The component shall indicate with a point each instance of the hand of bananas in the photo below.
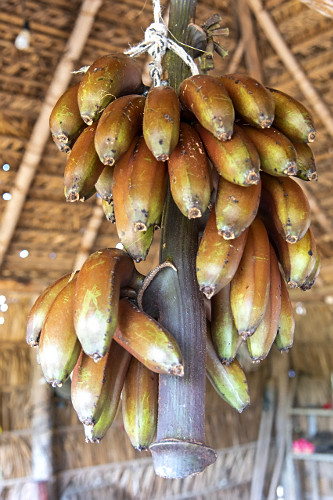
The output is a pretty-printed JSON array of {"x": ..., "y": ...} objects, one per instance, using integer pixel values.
[{"x": 229, "y": 147}]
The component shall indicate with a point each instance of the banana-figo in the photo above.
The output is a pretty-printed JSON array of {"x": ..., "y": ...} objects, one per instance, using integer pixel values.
[
  {"x": 139, "y": 403},
  {"x": 40, "y": 308},
  {"x": 206, "y": 97},
  {"x": 286, "y": 327},
  {"x": 97, "y": 297},
  {"x": 161, "y": 121},
  {"x": 223, "y": 330},
  {"x": 292, "y": 118},
  {"x": 120, "y": 122},
  {"x": 217, "y": 258},
  {"x": 108, "y": 209},
  {"x": 306, "y": 166},
  {"x": 109, "y": 77},
  {"x": 249, "y": 289},
  {"x": 277, "y": 153},
  {"x": 83, "y": 167},
  {"x": 229, "y": 381},
  {"x": 147, "y": 340},
  {"x": 65, "y": 121},
  {"x": 287, "y": 205},
  {"x": 260, "y": 343},
  {"x": 59, "y": 347},
  {"x": 236, "y": 160},
  {"x": 104, "y": 184},
  {"x": 118, "y": 363},
  {"x": 251, "y": 100},
  {"x": 236, "y": 207},
  {"x": 189, "y": 173}
]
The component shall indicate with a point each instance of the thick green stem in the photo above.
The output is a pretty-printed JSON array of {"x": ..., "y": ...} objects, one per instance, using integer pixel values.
[{"x": 180, "y": 449}]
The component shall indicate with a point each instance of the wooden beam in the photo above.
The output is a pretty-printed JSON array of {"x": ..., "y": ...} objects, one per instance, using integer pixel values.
[
  {"x": 274, "y": 36},
  {"x": 40, "y": 133},
  {"x": 252, "y": 60}
]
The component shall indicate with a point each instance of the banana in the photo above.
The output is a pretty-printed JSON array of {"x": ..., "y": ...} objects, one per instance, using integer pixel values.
[
  {"x": 217, "y": 259},
  {"x": 145, "y": 188},
  {"x": 250, "y": 98},
  {"x": 104, "y": 184},
  {"x": 120, "y": 122},
  {"x": 65, "y": 120},
  {"x": 236, "y": 207},
  {"x": 285, "y": 202},
  {"x": 64, "y": 148},
  {"x": 189, "y": 173},
  {"x": 83, "y": 167},
  {"x": 292, "y": 118},
  {"x": 97, "y": 297},
  {"x": 39, "y": 310},
  {"x": 147, "y": 340},
  {"x": 223, "y": 331},
  {"x": 118, "y": 363},
  {"x": 311, "y": 278},
  {"x": 286, "y": 327},
  {"x": 137, "y": 244},
  {"x": 108, "y": 209},
  {"x": 59, "y": 347},
  {"x": 229, "y": 381},
  {"x": 236, "y": 160},
  {"x": 109, "y": 77},
  {"x": 277, "y": 153},
  {"x": 249, "y": 290},
  {"x": 306, "y": 166},
  {"x": 206, "y": 97},
  {"x": 161, "y": 121},
  {"x": 260, "y": 343},
  {"x": 139, "y": 405},
  {"x": 298, "y": 259}
]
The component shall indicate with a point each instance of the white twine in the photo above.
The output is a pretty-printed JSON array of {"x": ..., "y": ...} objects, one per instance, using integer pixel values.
[{"x": 156, "y": 42}]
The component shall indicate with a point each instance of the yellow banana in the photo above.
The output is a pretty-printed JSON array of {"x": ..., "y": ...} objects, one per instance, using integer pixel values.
[
  {"x": 286, "y": 327},
  {"x": 306, "y": 166}
]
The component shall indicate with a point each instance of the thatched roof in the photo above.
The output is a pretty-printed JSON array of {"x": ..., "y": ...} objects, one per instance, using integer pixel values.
[{"x": 291, "y": 49}]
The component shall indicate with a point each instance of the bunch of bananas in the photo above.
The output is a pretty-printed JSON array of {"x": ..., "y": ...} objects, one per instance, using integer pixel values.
[{"x": 229, "y": 149}]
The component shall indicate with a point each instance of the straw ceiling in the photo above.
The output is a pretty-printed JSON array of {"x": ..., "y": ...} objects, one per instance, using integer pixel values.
[{"x": 284, "y": 43}]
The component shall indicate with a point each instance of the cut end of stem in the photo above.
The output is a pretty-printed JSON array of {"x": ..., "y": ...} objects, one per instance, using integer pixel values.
[
  {"x": 252, "y": 177},
  {"x": 194, "y": 213},
  {"x": 208, "y": 291},
  {"x": 311, "y": 136},
  {"x": 291, "y": 169},
  {"x": 291, "y": 238},
  {"x": 87, "y": 119},
  {"x": 72, "y": 197},
  {"x": 108, "y": 160}
]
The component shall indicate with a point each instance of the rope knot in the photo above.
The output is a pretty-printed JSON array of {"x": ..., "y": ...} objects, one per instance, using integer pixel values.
[{"x": 156, "y": 37}]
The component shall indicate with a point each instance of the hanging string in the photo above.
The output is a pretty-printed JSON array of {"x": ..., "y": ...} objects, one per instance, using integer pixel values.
[{"x": 156, "y": 42}]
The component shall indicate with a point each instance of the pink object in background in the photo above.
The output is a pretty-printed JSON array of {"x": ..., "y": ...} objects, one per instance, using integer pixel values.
[{"x": 303, "y": 446}]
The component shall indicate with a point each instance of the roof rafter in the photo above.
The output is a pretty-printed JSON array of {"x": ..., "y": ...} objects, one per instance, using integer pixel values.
[{"x": 40, "y": 133}]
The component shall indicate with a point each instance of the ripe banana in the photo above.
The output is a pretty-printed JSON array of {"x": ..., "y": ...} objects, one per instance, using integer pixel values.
[
  {"x": 236, "y": 207},
  {"x": 104, "y": 184},
  {"x": 260, "y": 343},
  {"x": 189, "y": 173},
  {"x": 108, "y": 209},
  {"x": 250, "y": 98},
  {"x": 285, "y": 202},
  {"x": 65, "y": 120},
  {"x": 97, "y": 297},
  {"x": 306, "y": 166},
  {"x": 161, "y": 121},
  {"x": 139, "y": 405},
  {"x": 39, "y": 310},
  {"x": 145, "y": 188},
  {"x": 118, "y": 362},
  {"x": 236, "y": 160},
  {"x": 311, "y": 278},
  {"x": 59, "y": 347},
  {"x": 298, "y": 259},
  {"x": 107, "y": 78},
  {"x": 120, "y": 122},
  {"x": 83, "y": 167},
  {"x": 147, "y": 340},
  {"x": 249, "y": 288},
  {"x": 292, "y": 118},
  {"x": 223, "y": 331},
  {"x": 137, "y": 244},
  {"x": 285, "y": 335},
  {"x": 206, "y": 97},
  {"x": 217, "y": 259},
  {"x": 229, "y": 381},
  {"x": 277, "y": 153}
]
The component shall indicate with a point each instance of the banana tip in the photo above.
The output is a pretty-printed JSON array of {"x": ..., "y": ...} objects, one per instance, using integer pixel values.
[
  {"x": 208, "y": 291},
  {"x": 87, "y": 119},
  {"x": 72, "y": 197},
  {"x": 194, "y": 213},
  {"x": 139, "y": 226},
  {"x": 178, "y": 370}
]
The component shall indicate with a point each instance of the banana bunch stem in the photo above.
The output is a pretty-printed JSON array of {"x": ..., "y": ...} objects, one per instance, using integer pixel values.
[{"x": 180, "y": 449}]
